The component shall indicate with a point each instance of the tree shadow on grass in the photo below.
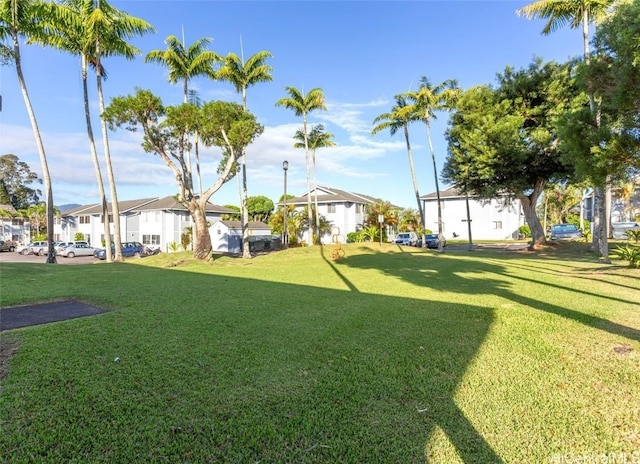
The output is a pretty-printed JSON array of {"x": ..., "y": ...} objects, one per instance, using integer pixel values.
[{"x": 242, "y": 370}]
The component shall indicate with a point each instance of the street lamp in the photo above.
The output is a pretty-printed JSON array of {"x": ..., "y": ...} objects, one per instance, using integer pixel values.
[{"x": 285, "y": 167}]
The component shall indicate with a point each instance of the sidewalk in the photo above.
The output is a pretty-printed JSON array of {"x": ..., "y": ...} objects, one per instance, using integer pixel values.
[{"x": 25, "y": 316}]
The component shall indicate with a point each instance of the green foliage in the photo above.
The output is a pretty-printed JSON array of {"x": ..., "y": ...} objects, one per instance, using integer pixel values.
[
  {"x": 15, "y": 179},
  {"x": 79, "y": 236},
  {"x": 259, "y": 208},
  {"x": 173, "y": 246},
  {"x": 524, "y": 231},
  {"x": 633, "y": 234},
  {"x": 185, "y": 240},
  {"x": 630, "y": 253},
  {"x": 229, "y": 216},
  {"x": 353, "y": 237}
]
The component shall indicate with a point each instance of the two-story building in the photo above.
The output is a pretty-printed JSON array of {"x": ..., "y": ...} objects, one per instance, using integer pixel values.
[
  {"x": 346, "y": 211},
  {"x": 494, "y": 219},
  {"x": 155, "y": 222}
]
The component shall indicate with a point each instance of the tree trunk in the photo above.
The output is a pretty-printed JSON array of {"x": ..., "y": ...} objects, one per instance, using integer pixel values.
[
  {"x": 246, "y": 252},
  {"x": 115, "y": 208},
  {"x": 415, "y": 184},
  {"x": 51, "y": 255},
  {"x": 202, "y": 246},
  {"x": 528, "y": 202},
  {"x": 309, "y": 212},
  {"x": 315, "y": 197},
  {"x": 96, "y": 161},
  {"x": 435, "y": 177}
]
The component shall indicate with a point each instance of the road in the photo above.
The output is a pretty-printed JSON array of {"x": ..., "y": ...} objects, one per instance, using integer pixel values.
[{"x": 13, "y": 257}]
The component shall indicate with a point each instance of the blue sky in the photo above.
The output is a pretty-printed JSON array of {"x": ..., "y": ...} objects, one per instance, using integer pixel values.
[{"x": 361, "y": 53}]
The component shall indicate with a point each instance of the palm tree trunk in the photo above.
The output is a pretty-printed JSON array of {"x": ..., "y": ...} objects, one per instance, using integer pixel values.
[
  {"x": 435, "y": 176},
  {"x": 51, "y": 255},
  {"x": 315, "y": 196},
  {"x": 306, "y": 155},
  {"x": 415, "y": 183},
  {"x": 115, "y": 208},
  {"x": 94, "y": 157},
  {"x": 246, "y": 252}
]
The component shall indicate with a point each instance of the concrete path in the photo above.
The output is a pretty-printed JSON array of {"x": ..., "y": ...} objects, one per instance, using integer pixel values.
[{"x": 24, "y": 316}]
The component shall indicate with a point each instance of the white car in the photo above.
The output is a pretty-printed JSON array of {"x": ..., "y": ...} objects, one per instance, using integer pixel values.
[
  {"x": 407, "y": 238},
  {"x": 77, "y": 249}
]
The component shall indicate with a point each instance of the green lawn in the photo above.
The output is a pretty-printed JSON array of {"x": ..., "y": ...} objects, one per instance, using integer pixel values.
[{"x": 388, "y": 355}]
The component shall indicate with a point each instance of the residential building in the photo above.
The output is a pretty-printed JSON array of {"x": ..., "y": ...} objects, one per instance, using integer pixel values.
[
  {"x": 346, "y": 211},
  {"x": 495, "y": 219},
  {"x": 16, "y": 229},
  {"x": 155, "y": 222}
]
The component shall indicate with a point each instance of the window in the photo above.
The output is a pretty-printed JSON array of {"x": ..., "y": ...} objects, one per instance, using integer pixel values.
[
  {"x": 358, "y": 208},
  {"x": 151, "y": 216},
  {"x": 84, "y": 219},
  {"x": 17, "y": 221},
  {"x": 151, "y": 239},
  {"x": 110, "y": 218},
  {"x": 497, "y": 225},
  {"x": 331, "y": 208}
]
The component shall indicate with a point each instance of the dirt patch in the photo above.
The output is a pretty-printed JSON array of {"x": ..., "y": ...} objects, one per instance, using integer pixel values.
[{"x": 8, "y": 347}]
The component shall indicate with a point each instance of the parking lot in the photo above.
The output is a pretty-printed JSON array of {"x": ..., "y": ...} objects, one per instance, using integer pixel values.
[{"x": 13, "y": 257}]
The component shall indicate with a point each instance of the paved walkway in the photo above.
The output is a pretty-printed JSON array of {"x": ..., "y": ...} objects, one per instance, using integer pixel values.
[{"x": 24, "y": 316}]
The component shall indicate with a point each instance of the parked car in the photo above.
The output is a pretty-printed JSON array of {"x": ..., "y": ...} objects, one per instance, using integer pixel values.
[
  {"x": 7, "y": 245},
  {"x": 407, "y": 238},
  {"x": 39, "y": 248},
  {"x": 24, "y": 249},
  {"x": 129, "y": 249},
  {"x": 432, "y": 241},
  {"x": 565, "y": 232},
  {"x": 76, "y": 249},
  {"x": 59, "y": 246}
]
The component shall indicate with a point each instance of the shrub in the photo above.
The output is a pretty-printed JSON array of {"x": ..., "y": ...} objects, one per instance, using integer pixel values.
[
  {"x": 630, "y": 253},
  {"x": 524, "y": 231},
  {"x": 79, "y": 236},
  {"x": 633, "y": 234}
]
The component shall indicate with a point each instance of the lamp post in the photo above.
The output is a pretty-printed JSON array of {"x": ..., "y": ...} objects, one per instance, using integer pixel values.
[{"x": 285, "y": 167}]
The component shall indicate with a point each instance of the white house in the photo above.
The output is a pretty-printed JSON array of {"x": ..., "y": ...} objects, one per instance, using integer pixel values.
[
  {"x": 226, "y": 236},
  {"x": 490, "y": 219},
  {"x": 154, "y": 222},
  {"x": 14, "y": 228},
  {"x": 345, "y": 210}
]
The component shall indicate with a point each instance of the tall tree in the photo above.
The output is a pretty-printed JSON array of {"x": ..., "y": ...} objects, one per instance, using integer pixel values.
[
  {"x": 24, "y": 18},
  {"x": 504, "y": 140},
  {"x": 184, "y": 62},
  {"x": 243, "y": 74},
  {"x": 15, "y": 178},
  {"x": 222, "y": 124},
  {"x": 401, "y": 115},
  {"x": 302, "y": 105},
  {"x": 317, "y": 138},
  {"x": 580, "y": 14},
  {"x": 428, "y": 100}
]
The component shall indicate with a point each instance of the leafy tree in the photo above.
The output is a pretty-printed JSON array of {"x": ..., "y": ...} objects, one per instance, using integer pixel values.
[
  {"x": 302, "y": 105},
  {"x": 26, "y": 18},
  {"x": 317, "y": 138},
  {"x": 242, "y": 75},
  {"x": 428, "y": 100},
  {"x": 399, "y": 118},
  {"x": 222, "y": 124},
  {"x": 409, "y": 220},
  {"x": 580, "y": 14},
  {"x": 15, "y": 178},
  {"x": 259, "y": 208},
  {"x": 504, "y": 140},
  {"x": 388, "y": 212},
  {"x": 229, "y": 216}
]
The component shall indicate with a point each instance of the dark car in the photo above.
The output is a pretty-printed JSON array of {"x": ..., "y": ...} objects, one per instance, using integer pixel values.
[
  {"x": 129, "y": 249},
  {"x": 432, "y": 241},
  {"x": 565, "y": 232},
  {"x": 7, "y": 245}
]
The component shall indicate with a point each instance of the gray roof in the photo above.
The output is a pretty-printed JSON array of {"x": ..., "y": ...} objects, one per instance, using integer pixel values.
[
  {"x": 333, "y": 195},
  {"x": 451, "y": 192},
  {"x": 252, "y": 225},
  {"x": 144, "y": 204},
  {"x": 8, "y": 208}
]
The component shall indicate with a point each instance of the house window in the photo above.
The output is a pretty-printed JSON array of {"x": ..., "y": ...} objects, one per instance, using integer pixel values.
[
  {"x": 151, "y": 216},
  {"x": 17, "y": 221},
  {"x": 151, "y": 239},
  {"x": 110, "y": 218},
  {"x": 331, "y": 208},
  {"x": 497, "y": 225},
  {"x": 84, "y": 219},
  {"x": 358, "y": 208}
]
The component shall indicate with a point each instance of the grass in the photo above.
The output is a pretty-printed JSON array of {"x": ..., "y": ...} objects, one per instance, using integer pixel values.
[{"x": 389, "y": 355}]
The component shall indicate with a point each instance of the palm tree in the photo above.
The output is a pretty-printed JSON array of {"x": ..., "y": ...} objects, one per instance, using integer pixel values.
[
  {"x": 24, "y": 18},
  {"x": 303, "y": 105},
  {"x": 105, "y": 31},
  {"x": 317, "y": 138},
  {"x": 427, "y": 101},
  {"x": 401, "y": 115},
  {"x": 579, "y": 13},
  {"x": 242, "y": 75},
  {"x": 185, "y": 63}
]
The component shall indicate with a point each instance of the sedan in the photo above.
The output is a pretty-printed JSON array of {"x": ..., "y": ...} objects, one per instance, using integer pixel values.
[
  {"x": 565, "y": 232},
  {"x": 432, "y": 241},
  {"x": 77, "y": 249}
]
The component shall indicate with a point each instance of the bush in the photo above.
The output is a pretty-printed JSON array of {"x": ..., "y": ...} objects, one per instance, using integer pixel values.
[
  {"x": 352, "y": 237},
  {"x": 78, "y": 237},
  {"x": 524, "y": 231},
  {"x": 633, "y": 234},
  {"x": 630, "y": 253}
]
